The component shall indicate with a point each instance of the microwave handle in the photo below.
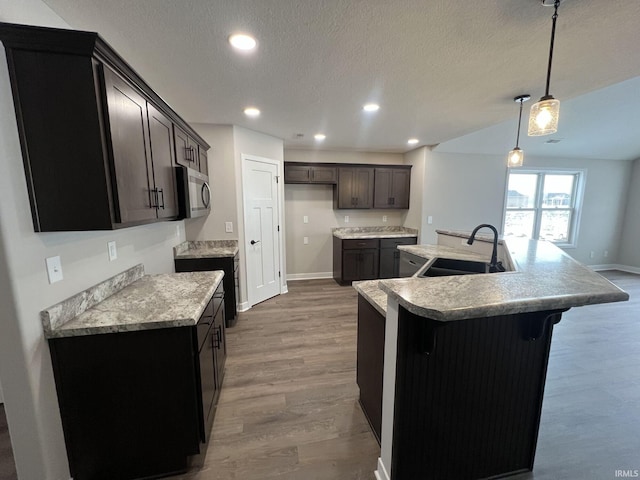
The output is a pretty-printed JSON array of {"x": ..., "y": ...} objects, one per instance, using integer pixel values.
[{"x": 206, "y": 200}]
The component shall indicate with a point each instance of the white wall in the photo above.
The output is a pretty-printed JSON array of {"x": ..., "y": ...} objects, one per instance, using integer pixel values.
[
  {"x": 462, "y": 191},
  {"x": 25, "y": 364},
  {"x": 414, "y": 217},
  {"x": 314, "y": 260},
  {"x": 221, "y": 157},
  {"x": 630, "y": 238}
]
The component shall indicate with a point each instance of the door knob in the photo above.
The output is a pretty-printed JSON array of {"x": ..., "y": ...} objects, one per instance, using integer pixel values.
[{"x": 253, "y": 242}]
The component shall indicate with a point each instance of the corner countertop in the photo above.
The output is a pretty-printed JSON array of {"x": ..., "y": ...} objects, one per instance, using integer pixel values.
[
  {"x": 545, "y": 278},
  {"x": 357, "y": 233},
  {"x": 370, "y": 290},
  {"x": 141, "y": 302},
  {"x": 206, "y": 249}
]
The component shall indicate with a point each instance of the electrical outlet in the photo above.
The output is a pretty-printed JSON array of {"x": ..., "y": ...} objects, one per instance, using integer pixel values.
[
  {"x": 305, "y": 240},
  {"x": 54, "y": 269},
  {"x": 305, "y": 219},
  {"x": 113, "y": 252},
  {"x": 346, "y": 219},
  {"x": 178, "y": 231},
  {"x": 429, "y": 219},
  {"x": 592, "y": 254},
  {"x": 384, "y": 218},
  {"x": 606, "y": 253},
  {"x": 228, "y": 227}
]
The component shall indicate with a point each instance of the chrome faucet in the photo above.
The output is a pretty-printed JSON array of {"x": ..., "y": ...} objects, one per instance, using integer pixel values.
[{"x": 494, "y": 265}]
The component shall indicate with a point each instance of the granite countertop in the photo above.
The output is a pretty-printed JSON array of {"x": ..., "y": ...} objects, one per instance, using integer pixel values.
[
  {"x": 370, "y": 290},
  {"x": 440, "y": 251},
  {"x": 206, "y": 249},
  {"x": 139, "y": 302},
  {"x": 545, "y": 278},
  {"x": 356, "y": 233}
]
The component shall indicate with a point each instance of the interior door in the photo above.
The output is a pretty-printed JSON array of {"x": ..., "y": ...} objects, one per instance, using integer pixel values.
[{"x": 262, "y": 243}]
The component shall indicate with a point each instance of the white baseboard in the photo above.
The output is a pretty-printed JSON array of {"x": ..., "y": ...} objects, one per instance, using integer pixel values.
[
  {"x": 615, "y": 266},
  {"x": 308, "y": 276},
  {"x": 284, "y": 289},
  {"x": 381, "y": 472},
  {"x": 244, "y": 306}
]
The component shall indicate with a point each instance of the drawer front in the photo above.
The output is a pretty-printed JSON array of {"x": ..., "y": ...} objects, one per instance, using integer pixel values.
[
  {"x": 218, "y": 299},
  {"x": 205, "y": 322},
  {"x": 394, "y": 242},
  {"x": 364, "y": 243}
]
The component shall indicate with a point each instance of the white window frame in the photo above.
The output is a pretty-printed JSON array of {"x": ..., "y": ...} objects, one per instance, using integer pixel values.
[{"x": 578, "y": 197}]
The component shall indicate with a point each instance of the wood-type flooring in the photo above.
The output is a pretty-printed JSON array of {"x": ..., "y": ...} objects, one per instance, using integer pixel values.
[{"x": 289, "y": 409}]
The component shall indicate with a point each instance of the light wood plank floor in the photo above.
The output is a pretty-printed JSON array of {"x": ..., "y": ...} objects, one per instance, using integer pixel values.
[{"x": 289, "y": 410}]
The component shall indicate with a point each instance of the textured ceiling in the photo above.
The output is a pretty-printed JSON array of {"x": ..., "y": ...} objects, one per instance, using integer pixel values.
[{"x": 439, "y": 69}]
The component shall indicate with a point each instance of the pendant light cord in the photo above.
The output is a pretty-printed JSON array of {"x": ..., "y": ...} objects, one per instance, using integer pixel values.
[
  {"x": 519, "y": 122},
  {"x": 553, "y": 36}
]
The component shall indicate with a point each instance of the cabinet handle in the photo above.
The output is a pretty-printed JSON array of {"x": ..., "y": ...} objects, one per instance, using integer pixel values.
[
  {"x": 393, "y": 200},
  {"x": 160, "y": 191},
  {"x": 217, "y": 341},
  {"x": 153, "y": 195},
  {"x": 389, "y": 201},
  {"x": 193, "y": 154},
  {"x": 206, "y": 199}
]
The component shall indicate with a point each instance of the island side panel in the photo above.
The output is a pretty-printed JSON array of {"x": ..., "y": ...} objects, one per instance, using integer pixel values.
[{"x": 468, "y": 404}]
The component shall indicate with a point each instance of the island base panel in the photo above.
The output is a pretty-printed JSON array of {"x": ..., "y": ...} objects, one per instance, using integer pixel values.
[{"x": 468, "y": 395}]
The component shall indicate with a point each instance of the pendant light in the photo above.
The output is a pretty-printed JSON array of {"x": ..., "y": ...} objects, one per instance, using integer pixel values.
[
  {"x": 543, "y": 119},
  {"x": 516, "y": 156}
]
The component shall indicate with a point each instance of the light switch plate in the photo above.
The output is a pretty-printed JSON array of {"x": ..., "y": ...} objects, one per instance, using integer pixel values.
[
  {"x": 305, "y": 219},
  {"x": 429, "y": 219},
  {"x": 346, "y": 219},
  {"x": 384, "y": 218},
  {"x": 54, "y": 269},
  {"x": 305, "y": 240},
  {"x": 113, "y": 251},
  {"x": 228, "y": 227}
]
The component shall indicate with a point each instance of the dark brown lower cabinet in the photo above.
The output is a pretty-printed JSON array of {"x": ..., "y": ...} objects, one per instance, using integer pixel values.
[
  {"x": 468, "y": 394},
  {"x": 230, "y": 267},
  {"x": 390, "y": 255},
  {"x": 370, "y": 361},
  {"x": 139, "y": 404}
]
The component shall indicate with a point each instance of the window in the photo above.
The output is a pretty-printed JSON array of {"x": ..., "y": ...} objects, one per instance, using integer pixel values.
[{"x": 544, "y": 204}]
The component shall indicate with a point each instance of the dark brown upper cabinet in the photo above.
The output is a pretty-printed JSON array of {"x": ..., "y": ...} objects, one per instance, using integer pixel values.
[
  {"x": 96, "y": 140},
  {"x": 391, "y": 189},
  {"x": 295, "y": 172},
  {"x": 355, "y": 187}
]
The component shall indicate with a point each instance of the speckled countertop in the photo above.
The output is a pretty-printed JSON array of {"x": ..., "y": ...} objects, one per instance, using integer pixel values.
[
  {"x": 356, "y": 233},
  {"x": 206, "y": 249},
  {"x": 148, "y": 302},
  {"x": 545, "y": 278},
  {"x": 440, "y": 251},
  {"x": 370, "y": 290}
]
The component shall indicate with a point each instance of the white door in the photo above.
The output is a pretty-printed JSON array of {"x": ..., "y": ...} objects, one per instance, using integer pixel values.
[{"x": 260, "y": 187}]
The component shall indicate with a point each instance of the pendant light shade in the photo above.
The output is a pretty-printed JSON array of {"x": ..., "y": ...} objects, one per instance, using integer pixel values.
[
  {"x": 543, "y": 119},
  {"x": 516, "y": 156}
]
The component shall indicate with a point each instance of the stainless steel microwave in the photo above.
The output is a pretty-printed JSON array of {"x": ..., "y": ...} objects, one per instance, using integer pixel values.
[{"x": 194, "y": 193}]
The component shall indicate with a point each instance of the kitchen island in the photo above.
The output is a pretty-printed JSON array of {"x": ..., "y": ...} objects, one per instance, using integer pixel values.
[{"x": 465, "y": 359}]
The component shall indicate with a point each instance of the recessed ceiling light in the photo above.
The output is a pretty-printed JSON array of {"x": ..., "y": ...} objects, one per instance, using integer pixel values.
[
  {"x": 371, "y": 107},
  {"x": 242, "y": 41},
  {"x": 412, "y": 141},
  {"x": 252, "y": 112},
  {"x": 319, "y": 136}
]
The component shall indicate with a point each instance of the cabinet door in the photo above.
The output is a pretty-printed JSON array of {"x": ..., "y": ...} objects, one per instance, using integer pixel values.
[
  {"x": 203, "y": 162},
  {"x": 350, "y": 265},
  {"x": 186, "y": 149},
  {"x": 127, "y": 116},
  {"x": 162, "y": 156},
  {"x": 220, "y": 346},
  {"x": 392, "y": 188},
  {"x": 389, "y": 261},
  {"x": 324, "y": 175},
  {"x": 368, "y": 264},
  {"x": 297, "y": 173},
  {"x": 400, "y": 184},
  {"x": 355, "y": 187}
]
